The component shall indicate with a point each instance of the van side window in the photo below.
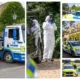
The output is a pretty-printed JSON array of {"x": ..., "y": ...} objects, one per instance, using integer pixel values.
[
  {"x": 17, "y": 34},
  {"x": 10, "y": 33}
]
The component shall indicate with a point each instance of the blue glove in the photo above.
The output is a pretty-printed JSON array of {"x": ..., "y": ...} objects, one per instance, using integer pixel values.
[{"x": 51, "y": 21}]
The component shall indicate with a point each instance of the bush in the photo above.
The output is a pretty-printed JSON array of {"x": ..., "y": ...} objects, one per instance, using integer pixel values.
[
  {"x": 1, "y": 27},
  {"x": 56, "y": 53}
]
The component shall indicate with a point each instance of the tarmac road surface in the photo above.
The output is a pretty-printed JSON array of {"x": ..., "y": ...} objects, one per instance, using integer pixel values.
[
  {"x": 12, "y": 70},
  {"x": 67, "y": 55}
]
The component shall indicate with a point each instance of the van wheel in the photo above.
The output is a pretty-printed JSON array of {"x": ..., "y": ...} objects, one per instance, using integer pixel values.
[
  {"x": 8, "y": 57},
  {"x": 39, "y": 58}
]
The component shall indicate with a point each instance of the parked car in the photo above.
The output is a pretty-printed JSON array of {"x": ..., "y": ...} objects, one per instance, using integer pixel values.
[
  {"x": 78, "y": 69},
  {"x": 68, "y": 70},
  {"x": 72, "y": 47},
  {"x": 73, "y": 16}
]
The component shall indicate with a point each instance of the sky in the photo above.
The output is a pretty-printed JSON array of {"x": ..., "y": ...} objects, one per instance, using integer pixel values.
[
  {"x": 22, "y": 2},
  {"x": 71, "y": 4}
]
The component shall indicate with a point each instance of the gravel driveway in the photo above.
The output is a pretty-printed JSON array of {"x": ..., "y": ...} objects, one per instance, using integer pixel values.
[{"x": 49, "y": 69}]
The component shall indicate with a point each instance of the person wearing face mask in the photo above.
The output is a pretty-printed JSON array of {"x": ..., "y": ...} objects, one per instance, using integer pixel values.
[{"x": 49, "y": 28}]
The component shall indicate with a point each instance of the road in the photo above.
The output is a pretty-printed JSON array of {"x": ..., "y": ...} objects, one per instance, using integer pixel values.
[
  {"x": 49, "y": 69},
  {"x": 67, "y": 55},
  {"x": 12, "y": 70}
]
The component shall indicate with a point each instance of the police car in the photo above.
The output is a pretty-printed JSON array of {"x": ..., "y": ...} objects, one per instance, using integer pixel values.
[
  {"x": 72, "y": 47},
  {"x": 76, "y": 15},
  {"x": 73, "y": 16},
  {"x": 68, "y": 70},
  {"x": 78, "y": 69}
]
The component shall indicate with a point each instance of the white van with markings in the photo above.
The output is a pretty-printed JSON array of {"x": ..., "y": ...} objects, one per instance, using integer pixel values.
[{"x": 13, "y": 43}]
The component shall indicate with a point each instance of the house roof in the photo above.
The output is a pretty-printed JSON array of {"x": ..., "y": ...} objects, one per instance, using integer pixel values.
[{"x": 2, "y": 7}]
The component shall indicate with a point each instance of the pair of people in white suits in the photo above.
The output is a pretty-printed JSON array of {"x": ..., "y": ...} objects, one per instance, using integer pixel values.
[{"x": 49, "y": 28}]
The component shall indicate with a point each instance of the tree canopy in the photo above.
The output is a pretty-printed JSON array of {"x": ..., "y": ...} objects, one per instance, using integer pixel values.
[
  {"x": 6, "y": 16},
  {"x": 41, "y": 9}
]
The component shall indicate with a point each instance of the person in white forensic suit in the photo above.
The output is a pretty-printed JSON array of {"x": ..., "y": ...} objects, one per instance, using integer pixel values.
[
  {"x": 49, "y": 28},
  {"x": 35, "y": 28}
]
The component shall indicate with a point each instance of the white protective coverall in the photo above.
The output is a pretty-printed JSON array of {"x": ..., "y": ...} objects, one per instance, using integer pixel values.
[
  {"x": 36, "y": 31},
  {"x": 49, "y": 38}
]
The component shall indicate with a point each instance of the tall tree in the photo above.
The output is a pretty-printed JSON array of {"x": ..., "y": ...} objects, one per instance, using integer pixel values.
[{"x": 65, "y": 8}]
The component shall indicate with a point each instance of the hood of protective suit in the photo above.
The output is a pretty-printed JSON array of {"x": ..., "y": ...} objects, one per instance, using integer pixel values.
[
  {"x": 35, "y": 21},
  {"x": 47, "y": 18}
]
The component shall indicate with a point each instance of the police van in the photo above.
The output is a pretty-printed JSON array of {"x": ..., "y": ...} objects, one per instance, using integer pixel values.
[
  {"x": 13, "y": 43},
  {"x": 72, "y": 47}
]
